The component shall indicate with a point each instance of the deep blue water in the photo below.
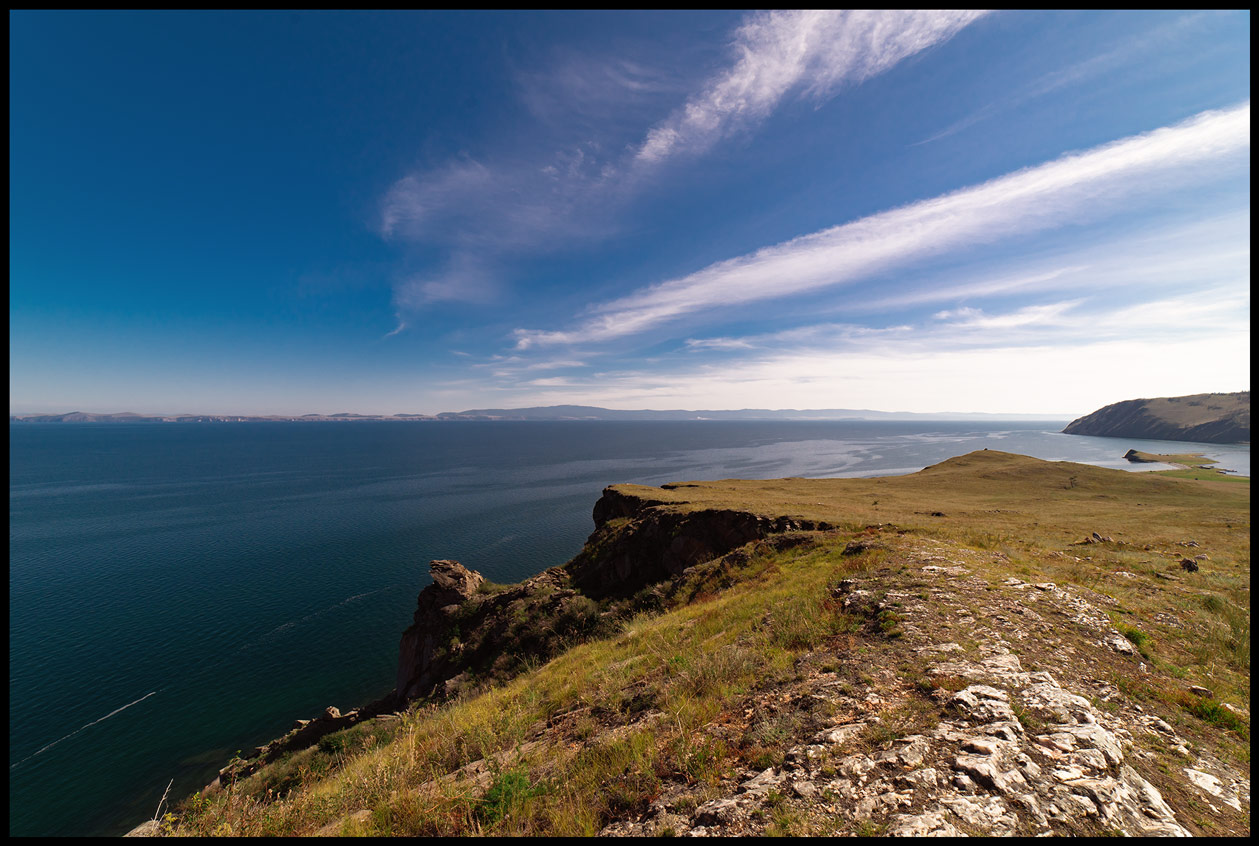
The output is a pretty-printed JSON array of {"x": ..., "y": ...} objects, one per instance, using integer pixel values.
[{"x": 178, "y": 592}]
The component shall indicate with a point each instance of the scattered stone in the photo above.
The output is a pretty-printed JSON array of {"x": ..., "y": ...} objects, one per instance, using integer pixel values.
[
  {"x": 926, "y": 777},
  {"x": 1121, "y": 644},
  {"x": 1212, "y": 785},
  {"x": 804, "y": 789},
  {"x": 914, "y": 751},
  {"x": 716, "y": 812},
  {"x": 1189, "y": 565},
  {"x": 762, "y": 783},
  {"x": 148, "y": 828},
  {"x": 840, "y": 734},
  {"x": 930, "y": 824},
  {"x": 856, "y": 766},
  {"x": 1201, "y": 691}
]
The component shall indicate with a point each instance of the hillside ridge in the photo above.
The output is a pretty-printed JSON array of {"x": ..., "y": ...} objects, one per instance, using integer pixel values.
[{"x": 1203, "y": 418}]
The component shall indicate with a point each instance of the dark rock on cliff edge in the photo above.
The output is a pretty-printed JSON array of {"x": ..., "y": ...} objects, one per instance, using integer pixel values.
[
  {"x": 466, "y": 632},
  {"x": 1202, "y": 418}
]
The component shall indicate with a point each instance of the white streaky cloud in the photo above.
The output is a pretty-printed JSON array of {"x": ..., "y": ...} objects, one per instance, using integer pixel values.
[
  {"x": 719, "y": 343},
  {"x": 1210, "y": 251},
  {"x": 570, "y": 183},
  {"x": 558, "y": 364},
  {"x": 814, "y": 52},
  {"x": 952, "y": 313},
  {"x": 972, "y": 318},
  {"x": 1133, "y": 50},
  {"x": 1069, "y": 323},
  {"x": 414, "y": 200},
  {"x": 402, "y": 325},
  {"x": 464, "y": 279},
  {"x": 829, "y": 332},
  {"x": 1044, "y": 379},
  {"x": 1074, "y": 188},
  {"x": 1074, "y": 352}
]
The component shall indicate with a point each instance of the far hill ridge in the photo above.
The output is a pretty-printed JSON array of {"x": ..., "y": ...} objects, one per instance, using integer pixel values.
[{"x": 1203, "y": 418}]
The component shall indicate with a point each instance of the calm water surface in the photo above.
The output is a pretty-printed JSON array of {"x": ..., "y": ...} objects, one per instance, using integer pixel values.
[{"x": 180, "y": 592}]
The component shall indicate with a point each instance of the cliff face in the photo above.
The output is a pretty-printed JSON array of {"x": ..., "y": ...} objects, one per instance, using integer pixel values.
[
  {"x": 1203, "y": 418},
  {"x": 465, "y": 632}
]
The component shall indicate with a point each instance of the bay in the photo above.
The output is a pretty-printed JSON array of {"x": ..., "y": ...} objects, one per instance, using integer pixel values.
[{"x": 180, "y": 592}]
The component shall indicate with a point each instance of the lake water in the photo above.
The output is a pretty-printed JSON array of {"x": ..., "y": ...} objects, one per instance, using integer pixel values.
[{"x": 179, "y": 592}]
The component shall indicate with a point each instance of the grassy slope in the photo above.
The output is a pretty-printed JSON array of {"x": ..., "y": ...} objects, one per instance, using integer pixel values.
[
  {"x": 599, "y": 731},
  {"x": 1194, "y": 410},
  {"x": 1180, "y": 413}
]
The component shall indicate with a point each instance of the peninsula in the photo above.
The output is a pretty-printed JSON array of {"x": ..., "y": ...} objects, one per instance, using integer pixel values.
[
  {"x": 993, "y": 645},
  {"x": 1203, "y": 418}
]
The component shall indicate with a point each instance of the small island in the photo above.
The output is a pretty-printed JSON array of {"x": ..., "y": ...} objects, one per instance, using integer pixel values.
[{"x": 1190, "y": 465}]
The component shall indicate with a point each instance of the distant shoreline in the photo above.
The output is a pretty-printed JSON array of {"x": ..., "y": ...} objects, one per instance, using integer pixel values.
[{"x": 557, "y": 413}]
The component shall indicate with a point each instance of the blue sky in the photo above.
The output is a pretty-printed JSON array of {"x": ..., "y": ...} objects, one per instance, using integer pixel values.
[{"x": 1029, "y": 212}]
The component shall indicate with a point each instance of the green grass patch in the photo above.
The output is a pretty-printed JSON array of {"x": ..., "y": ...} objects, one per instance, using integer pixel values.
[
  {"x": 507, "y": 794},
  {"x": 1211, "y": 711}
]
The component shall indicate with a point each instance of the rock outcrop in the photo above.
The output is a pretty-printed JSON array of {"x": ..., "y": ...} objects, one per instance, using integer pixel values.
[
  {"x": 1202, "y": 418},
  {"x": 460, "y": 634},
  {"x": 659, "y": 542},
  {"x": 422, "y": 660}
]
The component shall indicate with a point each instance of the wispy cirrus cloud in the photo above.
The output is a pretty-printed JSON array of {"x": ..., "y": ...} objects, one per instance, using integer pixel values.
[
  {"x": 829, "y": 333},
  {"x": 1210, "y": 250},
  {"x": 1072, "y": 349},
  {"x": 1139, "y": 51},
  {"x": 1024, "y": 378},
  {"x": 588, "y": 154},
  {"x": 813, "y": 52},
  {"x": 1034, "y": 315},
  {"x": 1071, "y": 189}
]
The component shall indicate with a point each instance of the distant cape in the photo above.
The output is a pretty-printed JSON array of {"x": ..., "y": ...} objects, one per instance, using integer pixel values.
[{"x": 1203, "y": 418}]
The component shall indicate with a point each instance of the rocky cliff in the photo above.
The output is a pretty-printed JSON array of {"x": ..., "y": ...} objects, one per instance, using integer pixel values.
[
  {"x": 1203, "y": 418},
  {"x": 466, "y": 633}
]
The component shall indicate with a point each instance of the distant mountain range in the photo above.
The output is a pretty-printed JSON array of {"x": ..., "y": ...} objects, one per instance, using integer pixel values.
[
  {"x": 128, "y": 417},
  {"x": 588, "y": 412},
  {"x": 1203, "y": 418},
  {"x": 554, "y": 412}
]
